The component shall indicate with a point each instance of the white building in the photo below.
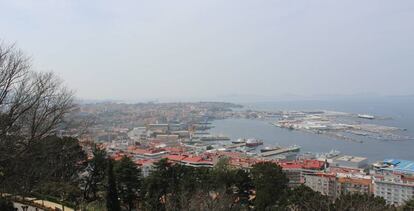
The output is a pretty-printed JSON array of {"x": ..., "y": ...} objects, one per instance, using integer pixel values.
[
  {"x": 324, "y": 183},
  {"x": 395, "y": 189}
]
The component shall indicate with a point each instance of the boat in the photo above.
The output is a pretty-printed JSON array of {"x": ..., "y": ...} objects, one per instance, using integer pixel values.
[
  {"x": 328, "y": 155},
  {"x": 253, "y": 142},
  {"x": 214, "y": 138},
  {"x": 267, "y": 149},
  {"x": 239, "y": 141},
  {"x": 294, "y": 148},
  {"x": 333, "y": 153},
  {"x": 366, "y": 116}
]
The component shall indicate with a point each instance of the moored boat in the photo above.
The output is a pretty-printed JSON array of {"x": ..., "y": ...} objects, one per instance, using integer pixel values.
[
  {"x": 267, "y": 149},
  {"x": 253, "y": 142},
  {"x": 239, "y": 141}
]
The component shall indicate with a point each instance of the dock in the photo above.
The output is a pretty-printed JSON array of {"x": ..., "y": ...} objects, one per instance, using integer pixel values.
[
  {"x": 278, "y": 151},
  {"x": 214, "y": 138},
  {"x": 232, "y": 146}
]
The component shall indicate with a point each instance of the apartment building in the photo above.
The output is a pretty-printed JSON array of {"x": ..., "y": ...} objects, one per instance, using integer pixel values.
[{"x": 395, "y": 189}]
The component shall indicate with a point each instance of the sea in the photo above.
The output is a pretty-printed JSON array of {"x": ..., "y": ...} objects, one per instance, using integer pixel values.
[{"x": 395, "y": 111}]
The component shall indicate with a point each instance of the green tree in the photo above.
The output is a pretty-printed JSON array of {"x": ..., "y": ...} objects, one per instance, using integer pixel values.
[
  {"x": 59, "y": 191},
  {"x": 222, "y": 175},
  {"x": 176, "y": 176},
  {"x": 93, "y": 181},
  {"x": 169, "y": 186},
  {"x": 409, "y": 206},
  {"x": 6, "y": 205},
  {"x": 244, "y": 186},
  {"x": 97, "y": 205},
  {"x": 112, "y": 200},
  {"x": 62, "y": 173},
  {"x": 157, "y": 185},
  {"x": 304, "y": 198},
  {"x": 204, "y": 200},
  {"x": 52, "y": 160},
  {"x": 128, "y": 178},
  {"x": 270, "y": 184},
  {"x": 358, "y": 201},
  {"x": 233, "y": 181},
  {"x": 186, "y": 182}
]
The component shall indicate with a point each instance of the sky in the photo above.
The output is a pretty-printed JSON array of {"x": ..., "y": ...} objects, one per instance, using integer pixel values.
[{"x": 210, "y": 49}]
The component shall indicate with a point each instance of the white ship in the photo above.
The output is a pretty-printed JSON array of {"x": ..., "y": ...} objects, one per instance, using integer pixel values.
[
  {"x": 239, "y": 141},
  {"x": 366, "y": 116}
]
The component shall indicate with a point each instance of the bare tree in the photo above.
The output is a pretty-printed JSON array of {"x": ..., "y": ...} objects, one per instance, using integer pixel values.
[
  {"x": 13, "y": 67},
  {"x": 32, "y": 106}
]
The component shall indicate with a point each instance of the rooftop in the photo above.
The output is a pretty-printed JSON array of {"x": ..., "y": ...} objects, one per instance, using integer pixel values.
[
  {"x": 302, "y": 164},
  {"x": 404, "y": 166},
  {"x": 176, "y": 157},
  {"x": 350, "y": 158}
]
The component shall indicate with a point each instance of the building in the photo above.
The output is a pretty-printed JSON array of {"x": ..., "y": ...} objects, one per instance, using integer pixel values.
[
  {"x": 167, "y": 137},
  {"x": 146, "y": 166},
  {"x": 395, "y": 166},
  {"x": 325, "y": 183},
  {"x": 147, "y": 153},
  {"x": 395, "y": 189},
  {"x": 158, "y": 128},
  {"x": 338, "y": 181},
  {"x": 295, "y": 170},
  {"x": 352, "y": 183},
  {"x": 176, "y": 127},
  {"x": 138, "y": 133},
  {"x": 191, "y": 160},
  {"x": 182, "y": 133},
  {"x": 350, "y": 161},
  {"x": 197, "y": 161}
]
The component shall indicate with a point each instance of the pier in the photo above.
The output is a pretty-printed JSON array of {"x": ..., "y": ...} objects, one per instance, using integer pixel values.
[
  {"x": 235, "y": 146},
  {"x": 278, "y": 151}
]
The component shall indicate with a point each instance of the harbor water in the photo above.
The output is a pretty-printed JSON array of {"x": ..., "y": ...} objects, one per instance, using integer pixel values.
[{"x": 398, "y": 112}]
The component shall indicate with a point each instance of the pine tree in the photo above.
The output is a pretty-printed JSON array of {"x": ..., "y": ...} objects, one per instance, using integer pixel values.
[
  {"x": 112, "y": 200},
  {"x": 128, "y": 178},
  {"x": 271, "y": 185}
]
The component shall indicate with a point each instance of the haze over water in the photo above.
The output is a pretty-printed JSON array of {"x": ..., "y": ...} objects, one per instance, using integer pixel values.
[{"x": 398, "y": 108}]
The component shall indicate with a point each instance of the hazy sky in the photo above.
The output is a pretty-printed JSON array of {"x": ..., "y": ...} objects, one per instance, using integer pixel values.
[{"x": 207, "y": 48}]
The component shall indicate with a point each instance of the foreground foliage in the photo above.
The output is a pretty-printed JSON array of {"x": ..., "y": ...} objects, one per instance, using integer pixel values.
[
  {"x": 128, "y": 179},
  {"x": 6, "y": 205},
  {"x": 112, "y": 201},
  {"x": 409, "y": 206}
]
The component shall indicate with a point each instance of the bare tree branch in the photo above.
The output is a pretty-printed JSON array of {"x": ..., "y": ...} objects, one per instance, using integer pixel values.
[{"x": 32, "y": 107}]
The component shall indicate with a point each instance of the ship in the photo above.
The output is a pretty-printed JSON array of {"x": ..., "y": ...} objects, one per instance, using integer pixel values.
[
  {"x": 239, "y": 141},
  {"x": 366, "y": 116},
  {"x": 328, "y": 155},
  {"x": 267, "y": 149},
  {"x": 294, "y": 148},
  {"x": 253, "y": 142}
]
